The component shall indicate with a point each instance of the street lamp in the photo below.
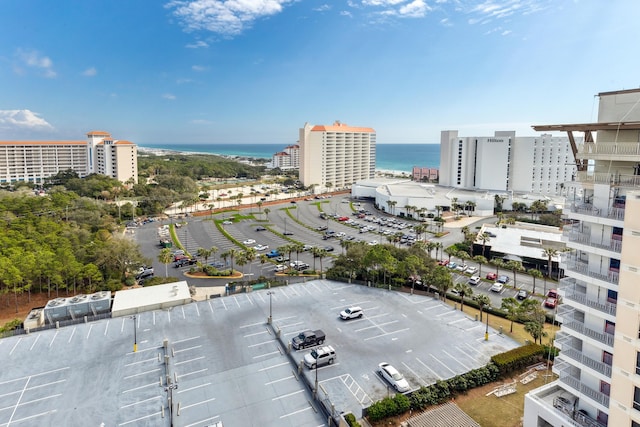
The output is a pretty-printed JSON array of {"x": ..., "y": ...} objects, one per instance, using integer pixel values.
[
  {"x": 135, "y": 334},
  {"x": 486, "y": 332},
  {"x": 169, "y": 389},
  {"x": 270, "y": 307}
]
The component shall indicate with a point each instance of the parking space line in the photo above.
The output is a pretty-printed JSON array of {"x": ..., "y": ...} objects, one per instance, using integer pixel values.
[
  {"x": 251, "y": 324},
  {"x": 447, "y": 313},
  {"x": 260, "y": 343},
  {"x": 189, "y": 361},
  {"x": 473, "y": 348},
  {"x": 414, "y": 373},
  {"x": 131, "y": 353},
  {"x": 457, "y": 359},
  {"x": 279, "y": 380},
  {"x": 88, "y": 333},
  {"x": 153, "y": 384},
  {"x": 141, "y": 373},
  {"x": 140, "y": 401},
  {"x": 193, "y": 373},
  {"x": 256, "y": 333},
  {"x": 141, "y": 361},
  {"x": 185, "y": 407},
  {"x": 187, "y": 349},
  {"x": 266, "y": 354},
  {"x": 377, "y": 325},
  {"x": 141, "y": 418},
  {"x": 359, "y": 303},
  {"x": 296, "y": 412},
  {"x": 206, "y": 420},
  {"x": 72, "y": 334},
  {"x": 210, "y": 306},
  {"x": 186, "y": 339},
  {"x": 184, "y": 316},
  {"x": 30, "y": 417},
  {"x": 387, "y": 333},
  {"x": 106, "y": 327},
  {"x": 443, "y": 364},
  {"x": 236, "y": 300},
  {"x": 54, "y": 338},
  {"x": 429, "y": 369},
  {"x": 169, "y": 315},
  {"x": 184, "y": 390},
  {"x": 273, "y": 366},
  {"x": 197, "y": 311},
  {"x": 15, "y": 408},
  {"x": 15, "y": 345},
  {"x": 34, "y": 342},
  {"x": 223, "y": 303},
  {"x": 289, "y": 325},
  {"x": 287, "y": 395}
]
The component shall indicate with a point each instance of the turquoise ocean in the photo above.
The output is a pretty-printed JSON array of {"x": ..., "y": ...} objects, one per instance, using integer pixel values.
[{"x": 396, "y": 157}]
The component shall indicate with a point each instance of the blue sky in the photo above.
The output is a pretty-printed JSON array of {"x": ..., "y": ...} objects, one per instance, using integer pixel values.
[{"x": 252, "y": 71}]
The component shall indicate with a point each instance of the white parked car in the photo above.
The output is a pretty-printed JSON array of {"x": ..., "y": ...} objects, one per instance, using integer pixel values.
[
  {"x": 474, "y": 280},
  {"x": 496, "y": 287},
  {"x": 280, "y": 268},
  {"x": 395, "y": 378},
  {"x": 249, "y": 242},
  {"x": 471, "y": 270},
  {"x": 351, "y": 313},
  {"x": 261, "y": 247}
]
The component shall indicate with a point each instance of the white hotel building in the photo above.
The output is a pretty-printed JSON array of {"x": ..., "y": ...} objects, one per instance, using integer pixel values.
[
  {"x": 34, "y": 161},
  {"x": 506, "y": 163},
  {"x": 289, "y": 158},
  {"x": 336, "y": 156},
  {"x": 599, "y": 362}
]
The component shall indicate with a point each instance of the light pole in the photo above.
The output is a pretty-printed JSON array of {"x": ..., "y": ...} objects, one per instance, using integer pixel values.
[
  {"x": 135, "y": 333},
  {"x": 285, "y": 225},
  {"x": 169, "y": 389},
  {"x": 315, "y": 390},
  {"x": 486, "y": 332},
  {"x": 270, "y": 308}
]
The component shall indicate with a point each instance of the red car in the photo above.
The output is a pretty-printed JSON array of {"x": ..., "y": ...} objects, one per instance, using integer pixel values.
[
  {"x": 443, "y": 262},
  {"x": 343, "y": 218},
  {"x": 492, "y": 276},
  {"x": 550, "y": 302}
]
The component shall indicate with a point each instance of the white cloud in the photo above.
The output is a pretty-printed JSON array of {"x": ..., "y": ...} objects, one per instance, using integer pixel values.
[
  {"x": 197, "y": 44},
  {"x": 169, "y": 96},
  {"x": 21, "y": 120},
  {"x": 33, "y": 59},
  {"x": 505, "y": 33},
  {"x": 445, "y": 22},
  {"x": 90, "y": 72},
  {"x": 198, "y": 68},
  {"x": 184, "y": 81},
  {"x": 229, "y": 18},
  {"x": 415, "y": 9},
  {"x": 346, "y": 13},
  {"x": 322, "y": 8}
]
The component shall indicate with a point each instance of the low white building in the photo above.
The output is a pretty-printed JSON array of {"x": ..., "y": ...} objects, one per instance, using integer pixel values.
[{"x": 132, "y": 301}]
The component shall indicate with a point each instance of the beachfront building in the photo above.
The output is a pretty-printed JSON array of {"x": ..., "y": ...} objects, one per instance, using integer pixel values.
[
  {"x": 506, "y": 163},
  {"x": 289, "y": 158},
  {"x": 335, "y": 156},
  {"x": 424, "y": 174},
  {"x": 34, "y": 161},
  {"x": 599, "y": 361}
]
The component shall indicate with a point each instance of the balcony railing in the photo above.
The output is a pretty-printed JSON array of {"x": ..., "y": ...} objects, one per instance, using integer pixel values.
[
  {"x": 583, "y": 268},
  {"x": 588, "y": 209},
  {"x": 577, "y": 418},
  {"x": 609, "y": 178},
  {"x": 568, "y": 285},
  {"x": 594, "y": 364},
  {"x": 578, "y": 326},
  {"x": 612, "y": 148},
  {"x": 577, "y": 385},
  {"x": 584, "y": 238}
]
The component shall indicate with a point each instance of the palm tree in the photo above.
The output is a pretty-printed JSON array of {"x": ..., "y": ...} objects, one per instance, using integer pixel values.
[
  {"x": 480, "y": 260},
  {"x": 470, "y": 206},
  {"x": 498, "y": 263},
  {"x": 512, "y": 307},
  {"x": 514, "y": 266},
  {"x": 483, "y": 301},
  {"x": 204, "y": 253},
  {"x": 250, "y": 255},
  {"x": 536, "y": 274},
  {"x": 484, "y": 238},
  {"x": 241, "y": 259},
  {"x": 165, "y": 257},
  {"x": 321, "y": 254},
  {"x": 536, "y": 330},
  {"x": 231, "y": 253},
  {"x": 266, "y": 212},
  {"x": 550, "y": 253},
  {"x": 259, "y": 204},
  {"x": 464, "y": 290}
]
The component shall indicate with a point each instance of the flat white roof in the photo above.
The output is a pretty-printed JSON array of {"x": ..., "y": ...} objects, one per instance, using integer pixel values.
[
  {"x": 523, "y": 240},
  {"x": 139, "y": 298}
]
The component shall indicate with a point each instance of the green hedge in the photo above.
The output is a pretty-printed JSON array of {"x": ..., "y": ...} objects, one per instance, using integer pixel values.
[
  {"x": 518, "y": 358},
  {"x": 435, "y": 394},
  {"x": 351, "y": 420}
]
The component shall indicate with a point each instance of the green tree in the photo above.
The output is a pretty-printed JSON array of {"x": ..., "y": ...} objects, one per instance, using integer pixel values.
[
  {"x": 515, "y": 267},
  {"x": 440, "y": 278},
  {"x": 165, "y": 257},
  {"x": 483, "y": 301},
  {"x": 512, "y": 307},
  {"x": 464, "y": 290},
  {"x": 480, "y": 260},
  {"x": 536, "y": 274}
]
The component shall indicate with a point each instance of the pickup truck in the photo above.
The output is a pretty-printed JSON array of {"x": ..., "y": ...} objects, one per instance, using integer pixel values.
[
  {"x": 274, "y": 253},
  {"x": 307, "y": 339}
]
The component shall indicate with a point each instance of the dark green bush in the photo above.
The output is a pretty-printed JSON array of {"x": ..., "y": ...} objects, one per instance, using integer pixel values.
[
  {"x": 518, "y": 358},
  {"x": 351, "y": 420}
]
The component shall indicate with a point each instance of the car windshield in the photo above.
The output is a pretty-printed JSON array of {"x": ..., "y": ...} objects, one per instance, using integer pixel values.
[
  {"x": 397, "y": 376},
  {"x": 314, "y": 354}
]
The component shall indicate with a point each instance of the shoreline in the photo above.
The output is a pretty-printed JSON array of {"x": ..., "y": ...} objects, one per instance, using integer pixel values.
[{"x": 167, "y": 151}]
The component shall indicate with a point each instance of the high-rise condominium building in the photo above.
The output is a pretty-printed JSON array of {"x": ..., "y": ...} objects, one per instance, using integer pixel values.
[
  {"x": 504, "y": 162},
  {"x": 599, "y": 361},
  {"x": 289, "y": 158},
  {"x": 336, "y": 156},
  {"x": 34, "y": 161}
]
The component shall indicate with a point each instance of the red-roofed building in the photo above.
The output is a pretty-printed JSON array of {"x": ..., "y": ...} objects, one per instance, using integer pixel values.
[{"x": 289, "y": 158}]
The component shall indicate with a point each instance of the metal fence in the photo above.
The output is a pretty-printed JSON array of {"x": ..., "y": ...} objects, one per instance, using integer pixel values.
[{"x": 57, "y": 324}]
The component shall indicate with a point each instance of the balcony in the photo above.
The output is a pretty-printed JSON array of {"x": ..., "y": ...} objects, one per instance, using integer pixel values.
[
  {"x": 574, "y": 235},
  {"x": 581, "y": 267},
  {"x": 592, "y": 394},
  {"x": 596, "y": 365},
  {"x": 568, "y": 285},
  {"x": 611, "y": 150},
  {"x": 617, "y": 180},
  {"x": 579, "y": 327},
  {"x": 577, "y": 418},
  {"x": 588, "y": 209}
]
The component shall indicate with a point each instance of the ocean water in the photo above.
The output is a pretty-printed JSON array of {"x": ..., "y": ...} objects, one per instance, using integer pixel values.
[{"x": 397, "y": 157}]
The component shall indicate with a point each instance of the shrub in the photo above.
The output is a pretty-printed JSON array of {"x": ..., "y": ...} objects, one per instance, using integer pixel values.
[
  {"x": 351, "y": 420},
  {"x": 10, "y": 326},
  {"x": 517, "y": 358}
]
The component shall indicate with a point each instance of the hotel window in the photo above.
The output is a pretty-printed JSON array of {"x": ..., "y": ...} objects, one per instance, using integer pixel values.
[
  {"x": 636, "y": 398},
  {"x": 635, "y": 424},
  {"x": 638, "y": 363}
]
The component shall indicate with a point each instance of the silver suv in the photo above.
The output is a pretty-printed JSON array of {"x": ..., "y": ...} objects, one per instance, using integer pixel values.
[
  {"x": 351, "y": 313},
  {"x": 320, "y": 356}
]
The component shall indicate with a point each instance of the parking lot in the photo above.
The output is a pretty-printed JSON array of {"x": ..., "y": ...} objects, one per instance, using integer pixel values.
[{"x": 227, "y": 363}]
